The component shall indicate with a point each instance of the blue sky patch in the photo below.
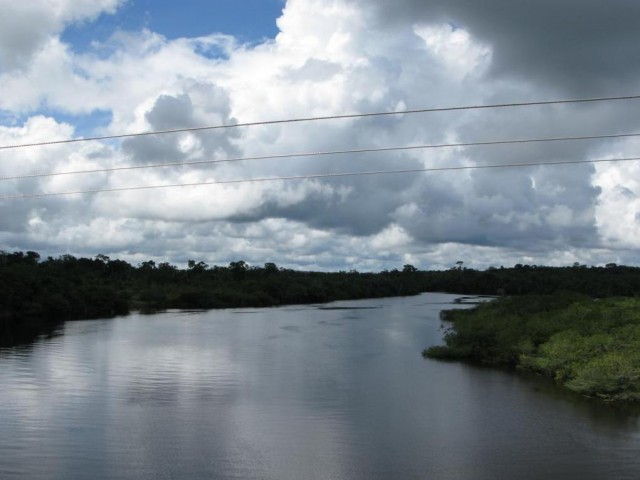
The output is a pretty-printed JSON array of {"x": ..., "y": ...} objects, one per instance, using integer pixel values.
[
  {"x": 248, "y": 20},
  {"x": 87, "y": 125}
]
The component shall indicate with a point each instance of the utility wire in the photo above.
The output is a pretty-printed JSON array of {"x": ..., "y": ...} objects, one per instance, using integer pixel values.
[
  {"x": 323, "y": 153},
  {"x": 321, "y": 175},
  {"x": 313, "y": 119}
]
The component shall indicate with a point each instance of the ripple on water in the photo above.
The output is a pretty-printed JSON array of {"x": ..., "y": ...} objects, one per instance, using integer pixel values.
[{"x": 276, "y": 393}]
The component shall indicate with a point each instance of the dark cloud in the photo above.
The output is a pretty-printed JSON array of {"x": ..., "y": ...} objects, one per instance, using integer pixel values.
[
  {"x": 586, "y": 47},
  {"x": 361, "y": 211},
  {"x": 200, "y": 105},
  {"x": 171, "y": 112},
  {"x": 14, "y": 216},
  {"x": 530, "y": 211}
]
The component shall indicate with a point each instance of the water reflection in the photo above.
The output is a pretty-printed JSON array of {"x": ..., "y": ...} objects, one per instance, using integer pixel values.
[
  {"x": 296, "y": 392},
  {"x": 26, "y": 333}
]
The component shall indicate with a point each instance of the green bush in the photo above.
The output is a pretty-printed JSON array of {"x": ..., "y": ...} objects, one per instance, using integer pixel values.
[{"x": 590, "y": 346}]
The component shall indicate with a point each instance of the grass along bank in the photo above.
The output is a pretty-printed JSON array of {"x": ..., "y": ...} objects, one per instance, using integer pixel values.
[{"x": 590, "y": 346}]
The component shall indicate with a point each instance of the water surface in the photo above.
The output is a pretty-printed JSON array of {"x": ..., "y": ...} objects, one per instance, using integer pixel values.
[{"x": 335, "y": 391}]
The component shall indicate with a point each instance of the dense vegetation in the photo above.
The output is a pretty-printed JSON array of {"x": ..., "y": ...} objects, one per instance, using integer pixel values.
[
  {"x": 591, "y": 346},
  {"x": 598, "y": 282}
]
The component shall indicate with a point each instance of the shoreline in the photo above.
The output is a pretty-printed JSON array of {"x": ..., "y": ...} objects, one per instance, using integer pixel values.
[{"x": 587, "y": 346}]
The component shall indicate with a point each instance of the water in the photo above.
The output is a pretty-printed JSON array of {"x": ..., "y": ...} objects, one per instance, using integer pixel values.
[{"x": 308, "y": 392}]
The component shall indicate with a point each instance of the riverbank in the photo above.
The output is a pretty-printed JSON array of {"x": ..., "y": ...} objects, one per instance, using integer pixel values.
[
  {"x": 590, "y": 346},
  {"x": 36, "y": 295}
]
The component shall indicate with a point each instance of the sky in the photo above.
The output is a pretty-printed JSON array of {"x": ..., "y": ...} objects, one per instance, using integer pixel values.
[{"x": 81, "y": 68}]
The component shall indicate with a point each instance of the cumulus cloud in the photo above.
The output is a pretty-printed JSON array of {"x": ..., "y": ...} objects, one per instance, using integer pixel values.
[
  {"x": 330, "y": 57},
  {"x": 573, "y": 46},
  {"x": 26, "y": 27}
]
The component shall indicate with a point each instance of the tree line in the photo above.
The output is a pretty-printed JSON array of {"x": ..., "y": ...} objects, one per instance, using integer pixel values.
[{"x": 35, "y": 293}]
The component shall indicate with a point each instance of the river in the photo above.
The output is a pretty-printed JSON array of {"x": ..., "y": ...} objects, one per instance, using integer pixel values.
[{"x": 336, "y": 391}]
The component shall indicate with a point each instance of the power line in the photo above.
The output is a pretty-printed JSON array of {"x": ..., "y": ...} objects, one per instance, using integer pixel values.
[
  {"x": 324, "y": 153},
  {"x": 321, "y": 175},
  {"x": 319, "y": 118}
]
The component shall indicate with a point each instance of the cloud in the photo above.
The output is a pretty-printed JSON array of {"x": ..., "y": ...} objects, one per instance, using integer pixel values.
[
  {"x": 26, "y": 27},
  {"x": 330, "y": 57},
  {"x": 574, "y": 46},
  {"x": 198, "y": 105}
]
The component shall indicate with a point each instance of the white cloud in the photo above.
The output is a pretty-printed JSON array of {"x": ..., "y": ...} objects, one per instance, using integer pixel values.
[
  {"x": 617, "y": 211},
  {"x": 392, "y": 237},
  {"x": 455, "y": 48}
]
